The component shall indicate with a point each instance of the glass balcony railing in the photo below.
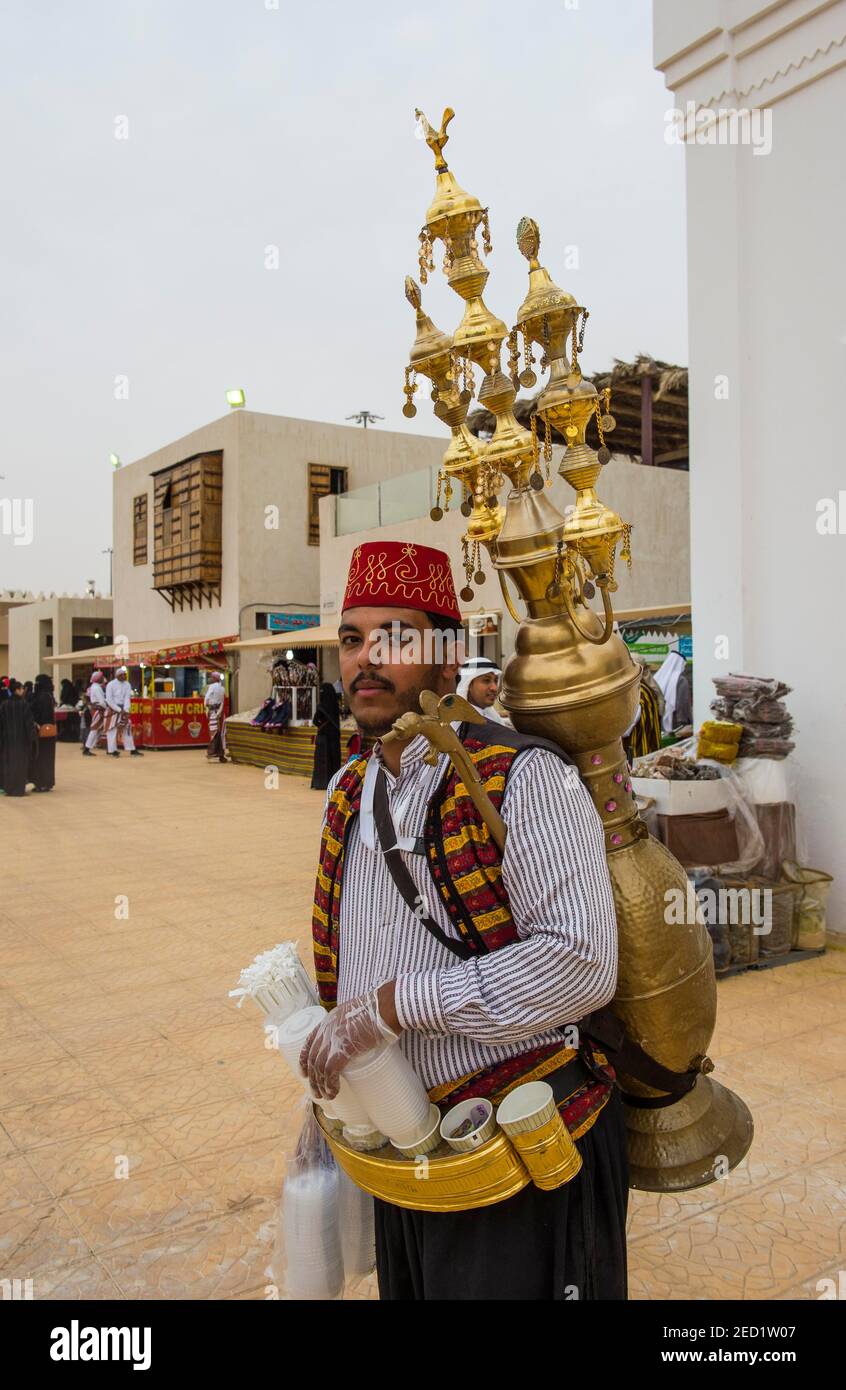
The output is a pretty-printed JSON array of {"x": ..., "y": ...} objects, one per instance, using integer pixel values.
[{"x": 382, "y": 504}]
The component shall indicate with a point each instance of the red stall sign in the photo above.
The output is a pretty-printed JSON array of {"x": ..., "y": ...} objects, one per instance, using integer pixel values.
[{"x": 171, "y": 721}]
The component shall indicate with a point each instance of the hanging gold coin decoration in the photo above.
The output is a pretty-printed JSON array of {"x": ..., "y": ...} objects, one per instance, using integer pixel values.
[
  {"x": 466, "y": 508},
  {"x": 603, "y": 455},
  {"x": 571, "y": 432},
  {"x": 608, "y": 423},
  {"x": 436, "y": 513},
  {"x": 536, "y": 481},
  {"x": 466, "y": 595},
  {"x": 409, "y": 410},
  {"x": 465, "y": 396},
  {"x": 527, "y": 377},
  {"x": 589, "y": 589},
  {"x": 479, "y": 577},
  {"x": 440, "y": 409}
]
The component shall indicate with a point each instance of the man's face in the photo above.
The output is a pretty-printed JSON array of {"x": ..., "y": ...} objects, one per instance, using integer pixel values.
[
  {"x": 380, "y": 681},
  {"x": 483, "y": 689},
  {"x": 121, "y": 675}
]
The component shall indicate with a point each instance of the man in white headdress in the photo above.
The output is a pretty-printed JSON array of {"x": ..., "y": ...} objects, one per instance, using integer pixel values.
[
  {"x": 118, "y": 704},
  {"x": 674, "y": 685},
  {"x": 213, "y": 701},
  {"x": 478, "y": 682},
  {"x": 97, "y": 703}
]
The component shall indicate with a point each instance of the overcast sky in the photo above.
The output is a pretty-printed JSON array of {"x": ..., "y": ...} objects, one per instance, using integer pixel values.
[{"x": 252, "y": 126}]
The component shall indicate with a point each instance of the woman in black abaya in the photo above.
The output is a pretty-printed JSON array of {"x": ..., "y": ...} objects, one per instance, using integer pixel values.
[
  {"x": 327, "y": 744},
  {"x": 43, "y": 706},
  {"x": 17, "y": 741}
]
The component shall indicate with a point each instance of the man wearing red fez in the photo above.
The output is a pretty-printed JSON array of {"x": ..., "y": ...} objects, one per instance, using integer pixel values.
[{"x": 477, "y": 963}]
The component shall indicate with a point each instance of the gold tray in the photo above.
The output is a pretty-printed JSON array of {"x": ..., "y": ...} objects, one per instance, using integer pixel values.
[{"x": 449, "y": 1182}]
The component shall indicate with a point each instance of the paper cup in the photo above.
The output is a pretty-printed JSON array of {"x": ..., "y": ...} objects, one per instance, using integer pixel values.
[
  {"x": 527, "y": 1107},
  {"x": 481, "y": 1113},
  {"x": 531, "y": 1120},
  {"x": 428, "y": 1141}
]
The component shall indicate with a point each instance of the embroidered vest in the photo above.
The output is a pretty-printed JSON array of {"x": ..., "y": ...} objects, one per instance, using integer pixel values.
[{"x": 466, "y": 867}]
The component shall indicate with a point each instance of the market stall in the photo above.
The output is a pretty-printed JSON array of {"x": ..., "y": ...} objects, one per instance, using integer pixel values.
[
  {"x": 280, "y": 731},
  {"x": 168, "y": 684},
  {"x": 725, "y": 804}
]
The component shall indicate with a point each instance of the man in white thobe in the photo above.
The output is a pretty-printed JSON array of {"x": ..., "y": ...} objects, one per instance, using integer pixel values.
[
  {"x": 118, "y": 704},
  {"x": 97, "y": 702}
]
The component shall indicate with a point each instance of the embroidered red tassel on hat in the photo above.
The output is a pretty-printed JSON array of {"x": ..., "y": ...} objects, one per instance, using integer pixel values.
[{"x": 399, "y": 574}]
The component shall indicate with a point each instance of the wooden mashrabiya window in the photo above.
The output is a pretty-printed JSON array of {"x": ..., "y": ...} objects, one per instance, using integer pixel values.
[{"x": 187, "y": 513}]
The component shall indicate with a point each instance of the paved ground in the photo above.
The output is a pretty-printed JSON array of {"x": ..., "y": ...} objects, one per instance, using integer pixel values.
[{"x": 143, "y": 1127}]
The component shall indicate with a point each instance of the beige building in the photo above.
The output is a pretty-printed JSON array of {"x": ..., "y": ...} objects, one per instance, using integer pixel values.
[
  {"x": 216, "y": 535},
  {"x": 45, "y": 627},
  {"x": 9, "y": 598},
  {"x": 765, "y": 206},
  {"x": 654, "y": 500}
]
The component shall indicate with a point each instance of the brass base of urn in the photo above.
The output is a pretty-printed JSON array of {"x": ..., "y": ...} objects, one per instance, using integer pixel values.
[{"x": 691, "y": 1143}]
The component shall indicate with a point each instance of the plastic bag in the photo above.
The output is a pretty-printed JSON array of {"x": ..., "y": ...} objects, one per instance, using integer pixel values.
[
  {"x": 810, "y": 921},
  {"x": 358, "y": 1231},
  {"x": 308, "y": 1260}
]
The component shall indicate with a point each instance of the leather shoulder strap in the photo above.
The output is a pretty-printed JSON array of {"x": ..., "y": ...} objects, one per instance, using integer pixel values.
[{"x": 403, "y": 881}]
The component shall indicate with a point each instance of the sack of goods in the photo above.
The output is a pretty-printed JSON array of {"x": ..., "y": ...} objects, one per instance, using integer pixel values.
[{"x": 756, "y": 703}]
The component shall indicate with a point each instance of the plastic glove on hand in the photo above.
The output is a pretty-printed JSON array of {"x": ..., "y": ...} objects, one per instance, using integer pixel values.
[{"x": 351, "y": 1029}]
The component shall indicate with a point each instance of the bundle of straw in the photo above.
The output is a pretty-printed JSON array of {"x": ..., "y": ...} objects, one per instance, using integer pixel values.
[{"x": 277, "y": 983}]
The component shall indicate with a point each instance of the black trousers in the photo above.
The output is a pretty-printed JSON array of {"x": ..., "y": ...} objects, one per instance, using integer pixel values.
[{"x": 569, "y": 1244}]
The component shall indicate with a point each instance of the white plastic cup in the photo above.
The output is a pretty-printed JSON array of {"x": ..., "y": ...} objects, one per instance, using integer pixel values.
[
  {"x": 358, "y": 1236},
  {"x": 312, "y": 1235},
  {"x": 427, "y": 1142},
  {"x": 290, "y": 1039},
  {"x": 291, "y": 1035},
  {"x": 395, "y": 1098}
]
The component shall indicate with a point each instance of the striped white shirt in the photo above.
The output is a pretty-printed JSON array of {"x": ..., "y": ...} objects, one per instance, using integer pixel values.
[{"x": 461, "y": 1016}]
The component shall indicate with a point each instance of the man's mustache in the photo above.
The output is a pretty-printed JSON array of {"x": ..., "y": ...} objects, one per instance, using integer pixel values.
[{"x": 364, "y": 679}]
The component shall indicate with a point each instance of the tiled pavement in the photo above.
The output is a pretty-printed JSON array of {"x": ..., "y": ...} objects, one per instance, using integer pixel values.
[{"x": 143, "y": 1127}]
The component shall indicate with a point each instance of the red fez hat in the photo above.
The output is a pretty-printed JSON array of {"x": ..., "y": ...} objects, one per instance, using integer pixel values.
[{"x": 399, "y": 574}]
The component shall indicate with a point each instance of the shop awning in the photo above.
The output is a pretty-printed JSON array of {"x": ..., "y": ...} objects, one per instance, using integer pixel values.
[
  {"x": 660, "y": 610},
  {"x": 324, "y": 636},
  {"x": 190, "y": 653}
]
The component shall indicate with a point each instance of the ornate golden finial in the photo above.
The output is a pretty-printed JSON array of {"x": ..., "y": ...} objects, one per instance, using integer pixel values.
[
  {"x": 528, "y": 240},
  {"x": 436, "y": 139},
  {"x": 412, "y": 292}
]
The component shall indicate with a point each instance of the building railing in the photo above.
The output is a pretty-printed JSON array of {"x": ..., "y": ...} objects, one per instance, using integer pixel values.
[{"x": 383, "y": 504}]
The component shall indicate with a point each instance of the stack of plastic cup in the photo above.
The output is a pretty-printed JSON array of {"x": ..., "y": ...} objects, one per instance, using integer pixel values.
[
  {"x": 358, "y": 1236},
  {"x": 345, "y": 1106},
  {"x": 312, "y": 1234},
  {"x": 392, "y": 1093}
]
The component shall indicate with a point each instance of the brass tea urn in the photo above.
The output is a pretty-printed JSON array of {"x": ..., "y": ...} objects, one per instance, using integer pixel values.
[{"x": 571, "y": 678}]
